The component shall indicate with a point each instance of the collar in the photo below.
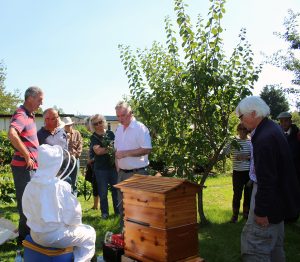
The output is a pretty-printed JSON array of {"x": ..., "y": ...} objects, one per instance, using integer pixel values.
[
  {"x": 132, "y": 123},
  {"x": 28, "y": 113}
]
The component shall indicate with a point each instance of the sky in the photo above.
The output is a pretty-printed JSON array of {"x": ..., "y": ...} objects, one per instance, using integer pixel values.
[{"x": 69, "y": 48}]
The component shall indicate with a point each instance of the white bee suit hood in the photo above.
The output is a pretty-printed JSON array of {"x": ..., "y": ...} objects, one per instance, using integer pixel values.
[{"x": 47, "y": 201}]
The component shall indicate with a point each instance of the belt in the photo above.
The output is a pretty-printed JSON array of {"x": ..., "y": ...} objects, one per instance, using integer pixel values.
[{"x": 133, "y": 170}]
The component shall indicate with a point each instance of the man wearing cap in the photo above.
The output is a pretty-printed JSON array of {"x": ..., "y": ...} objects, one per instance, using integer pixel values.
[
  {"x": 293, "y": 137},
  {"x": 74, "y": 148}
]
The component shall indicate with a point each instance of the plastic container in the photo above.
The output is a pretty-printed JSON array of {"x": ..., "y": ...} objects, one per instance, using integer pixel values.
[{"x": 114, "y": 239}]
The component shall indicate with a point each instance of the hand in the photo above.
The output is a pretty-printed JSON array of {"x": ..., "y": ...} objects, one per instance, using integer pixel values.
[
  {"x": 29, "y": 163},
  {"x": 99, "y": 150},
  {"x": 262, "y": 221},
  {"x": 120, "y": 154},
  {"x": 242, "y": 157}
]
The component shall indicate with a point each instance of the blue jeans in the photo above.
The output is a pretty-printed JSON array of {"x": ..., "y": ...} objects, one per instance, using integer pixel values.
[
  {"x": 21, "y": 178},
  {"x": 105, "y": 178}
]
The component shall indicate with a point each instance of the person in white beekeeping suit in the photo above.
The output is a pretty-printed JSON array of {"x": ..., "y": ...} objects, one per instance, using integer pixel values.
[{"x": 53, "y": 213}]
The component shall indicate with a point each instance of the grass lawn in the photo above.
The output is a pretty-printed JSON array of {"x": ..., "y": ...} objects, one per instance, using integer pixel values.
[{"x": 218, "y": 241}]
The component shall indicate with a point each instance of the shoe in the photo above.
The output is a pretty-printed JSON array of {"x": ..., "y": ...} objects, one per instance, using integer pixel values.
[
  {"x": 94, "y": 208},
  {"x": 104, "y": 216},
  {"x": 233, "y": 219}
]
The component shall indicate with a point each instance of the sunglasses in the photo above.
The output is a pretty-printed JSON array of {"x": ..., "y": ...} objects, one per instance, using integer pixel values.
[{"x": 98, "y": 123}]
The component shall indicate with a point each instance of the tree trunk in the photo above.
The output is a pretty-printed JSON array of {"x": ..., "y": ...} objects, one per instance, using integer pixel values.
[{"x": 203, "y": 220}]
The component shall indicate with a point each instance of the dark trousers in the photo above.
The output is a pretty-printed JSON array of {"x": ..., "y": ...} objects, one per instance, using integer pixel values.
[
  {"x": 104, "y": 179},
  {"x": 21, "y": 177},
  {"x": 239, "y": 182}
]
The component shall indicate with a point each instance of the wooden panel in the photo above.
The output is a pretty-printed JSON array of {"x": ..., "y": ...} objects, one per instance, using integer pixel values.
[
  {"x": 143, "y": 242},
  {"x": 182, "y": 242},
  {"x": 152, "y": 244},
  {"x": 181, "y": 211},
  {"x": 159, "y": 212},
  {"x": 152, "y": 216},
  {"x": 144, "y": 199}
]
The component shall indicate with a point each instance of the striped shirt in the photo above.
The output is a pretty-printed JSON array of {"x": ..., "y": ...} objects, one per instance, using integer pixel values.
[
  {"x": 23, "y": 121},
  {"x": 244, "y": 150},
  {"x": 252, "y": 173}
]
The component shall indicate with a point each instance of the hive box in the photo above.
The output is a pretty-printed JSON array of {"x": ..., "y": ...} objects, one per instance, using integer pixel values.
[{"x": 160, "y": 218}]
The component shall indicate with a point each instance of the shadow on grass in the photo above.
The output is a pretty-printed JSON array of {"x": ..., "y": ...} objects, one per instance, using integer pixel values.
[{"x": 221, "y": 242}]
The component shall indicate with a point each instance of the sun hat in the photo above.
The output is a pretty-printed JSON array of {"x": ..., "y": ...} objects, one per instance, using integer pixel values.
[
  {"x": 284, "y": 115},
  {"x": 68, "y": 121}
]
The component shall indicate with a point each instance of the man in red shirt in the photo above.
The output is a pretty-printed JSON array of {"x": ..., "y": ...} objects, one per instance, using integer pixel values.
[{"x": 23, "y": 136}]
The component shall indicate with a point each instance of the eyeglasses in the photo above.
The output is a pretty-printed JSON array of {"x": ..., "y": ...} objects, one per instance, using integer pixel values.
[
  {"x": 241, "y": 116},
  {"x": 98, "y": 123}
]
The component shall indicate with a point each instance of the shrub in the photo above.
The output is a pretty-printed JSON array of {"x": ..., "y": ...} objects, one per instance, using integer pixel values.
[
  {"x": 6, "y": 150},
  {"x": 84, "y": 188},
  {"x": 85, "y": 135},
  {"x": 7, "y": 187}
]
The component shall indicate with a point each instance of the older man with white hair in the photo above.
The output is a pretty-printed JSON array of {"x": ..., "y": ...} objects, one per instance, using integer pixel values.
[
  {"x": 276, "y": 193},
  {"x": 132, "y": 145}
]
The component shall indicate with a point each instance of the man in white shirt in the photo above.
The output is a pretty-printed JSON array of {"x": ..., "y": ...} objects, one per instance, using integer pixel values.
[{"x": 132, "y": 145}]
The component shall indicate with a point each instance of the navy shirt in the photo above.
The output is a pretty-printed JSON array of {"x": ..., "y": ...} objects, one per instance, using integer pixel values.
[{"x": 58, "y": 138}]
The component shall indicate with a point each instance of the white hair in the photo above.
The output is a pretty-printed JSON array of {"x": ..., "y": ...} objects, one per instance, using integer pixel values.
[{"x": 253, "y": 104}]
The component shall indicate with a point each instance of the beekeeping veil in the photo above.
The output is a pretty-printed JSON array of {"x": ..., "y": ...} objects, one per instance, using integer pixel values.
[
  {"x": 53, "y": 163},
  {"x": 44, "y": 192}
]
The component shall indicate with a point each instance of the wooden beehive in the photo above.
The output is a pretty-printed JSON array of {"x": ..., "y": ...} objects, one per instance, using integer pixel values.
[{"x": 160, "y": 218}]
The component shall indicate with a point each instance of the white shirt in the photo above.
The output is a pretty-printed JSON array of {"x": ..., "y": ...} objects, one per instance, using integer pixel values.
[{"x": 135, "y": 136}]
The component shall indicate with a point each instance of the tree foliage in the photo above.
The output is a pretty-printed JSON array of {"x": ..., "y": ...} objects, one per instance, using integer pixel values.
[
  {"x": 288, "y": 59},
  {"x": 186, "y": 90},
  {"x": 9, "y": 100},
  {"x": 275, "y": 98}
]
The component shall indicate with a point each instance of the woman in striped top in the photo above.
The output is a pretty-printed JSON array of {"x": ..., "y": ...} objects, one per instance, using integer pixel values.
[{"x": 240, "y": 176}]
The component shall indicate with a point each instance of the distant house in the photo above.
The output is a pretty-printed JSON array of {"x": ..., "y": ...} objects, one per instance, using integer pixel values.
[
  {"x": 5, "y": 120},
  {"x": 112, "y": 121}
]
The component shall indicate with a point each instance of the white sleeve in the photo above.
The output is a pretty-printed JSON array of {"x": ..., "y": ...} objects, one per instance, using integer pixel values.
[{"x": 71, "y": 208}]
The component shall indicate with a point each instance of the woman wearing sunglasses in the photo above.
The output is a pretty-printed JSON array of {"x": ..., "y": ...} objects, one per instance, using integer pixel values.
[
  {"x": 240, "y": 176},
  {"x": 104, "y": 167}
]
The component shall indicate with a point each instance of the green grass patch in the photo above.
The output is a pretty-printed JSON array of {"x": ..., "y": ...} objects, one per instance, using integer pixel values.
[{"x": 218, "y": 242}]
